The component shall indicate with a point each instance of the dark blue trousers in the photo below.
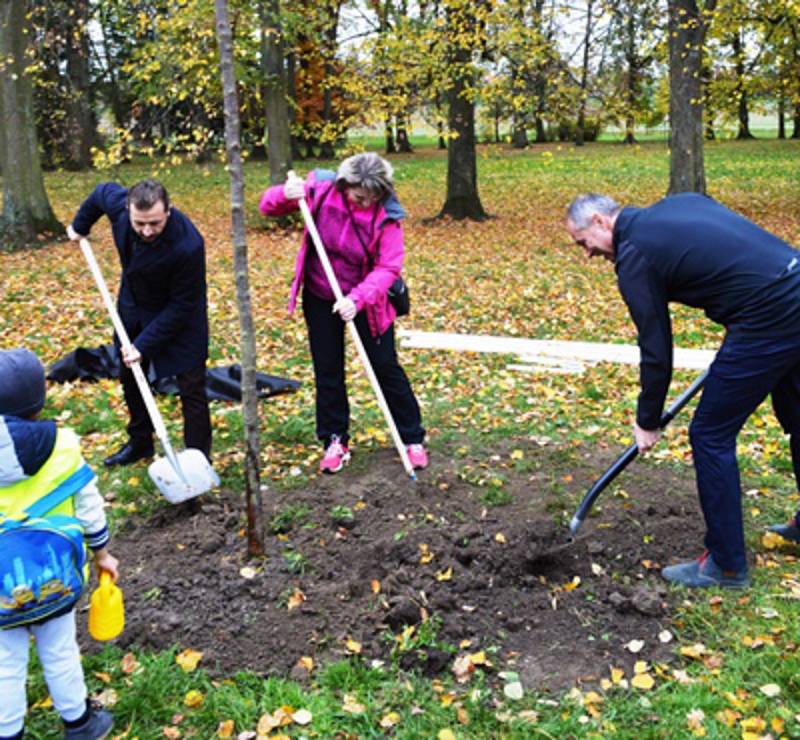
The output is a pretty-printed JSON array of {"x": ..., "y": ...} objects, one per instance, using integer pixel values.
[
  {"x": 326, "y": 337},
  {"x": 744, "y": 372}
]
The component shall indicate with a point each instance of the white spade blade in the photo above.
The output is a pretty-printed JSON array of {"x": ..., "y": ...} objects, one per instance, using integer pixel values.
[{"x": 197, "y": 477}]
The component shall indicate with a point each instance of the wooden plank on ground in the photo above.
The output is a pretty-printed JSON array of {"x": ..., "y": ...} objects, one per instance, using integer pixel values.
[{"x": 535, "y": 350}]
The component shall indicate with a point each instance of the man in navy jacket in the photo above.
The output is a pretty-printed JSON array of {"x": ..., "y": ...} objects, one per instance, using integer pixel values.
[
  {"x": 690, "y": 249},
  {"x": 161, "y": 301}
]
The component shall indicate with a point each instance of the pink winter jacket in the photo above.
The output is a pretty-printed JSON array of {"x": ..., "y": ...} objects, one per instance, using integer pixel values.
[{"x": 368, "y": 287}]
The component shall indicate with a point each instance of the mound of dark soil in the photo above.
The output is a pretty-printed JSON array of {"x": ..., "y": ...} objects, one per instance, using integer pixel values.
[{"x": 366, "y": 553}]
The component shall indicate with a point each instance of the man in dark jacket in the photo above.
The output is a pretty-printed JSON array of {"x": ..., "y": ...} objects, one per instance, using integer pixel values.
[
  {"x": 690, "y": 249},
  {"x": 162, "y": 303}
]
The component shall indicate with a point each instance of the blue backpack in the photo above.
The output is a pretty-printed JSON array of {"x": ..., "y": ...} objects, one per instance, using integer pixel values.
[{"x": 43, "y": 564}]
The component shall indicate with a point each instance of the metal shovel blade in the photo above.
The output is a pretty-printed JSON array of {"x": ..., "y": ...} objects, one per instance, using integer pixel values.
[{"x": 197, "y": 477}]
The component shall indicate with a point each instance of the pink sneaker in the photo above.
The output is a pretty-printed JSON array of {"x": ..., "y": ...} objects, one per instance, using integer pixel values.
[
  {"x": 335, "y": 458},
  {"x": 417, "y": 456}
]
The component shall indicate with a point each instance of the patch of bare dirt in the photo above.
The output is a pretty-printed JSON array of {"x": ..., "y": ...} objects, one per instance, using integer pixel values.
[{"x": 502, "y": 577}]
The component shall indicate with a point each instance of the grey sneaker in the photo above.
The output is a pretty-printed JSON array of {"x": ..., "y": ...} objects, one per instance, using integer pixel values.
[
  {"x": 97, "y": 725},
  {"x": 789, "y": 532},
  {"x": 704, "y": 573}
]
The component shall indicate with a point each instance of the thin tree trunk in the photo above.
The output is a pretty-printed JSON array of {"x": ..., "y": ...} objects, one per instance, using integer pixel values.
[
  {"x": 781, "y": 115},
  {"x": 631, "y": 78},
  {"x": 80, "y": 117},
  {"x": 255, "y": 518},
  {"x": 276, "y": 109},
  {"x": 27, "y": 214},
  {"x": 291, "y": 83},
  {"x": 587, "y": 39},
  {"x": 741, "y": 91},
  {"x": 687, "y": 31}
]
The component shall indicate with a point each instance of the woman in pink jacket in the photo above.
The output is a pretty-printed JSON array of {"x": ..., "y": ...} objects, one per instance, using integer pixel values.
[{"x": 358, "y": 218}]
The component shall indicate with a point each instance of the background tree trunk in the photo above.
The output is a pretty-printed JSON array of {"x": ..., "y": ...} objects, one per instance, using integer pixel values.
[
  {"x": 743, "y": 111},
  {"x": 255, "y": 519},
  {"x": 82, "y": 134},
  {"x": 687, "y": 32},
  {"x": 276, "y": 108},
  {"x": 587, "y": 40},
  {"x": 462, "y": 199},
  {"x": 27, "y": 214},
  {"x": 403, "y": 144}
]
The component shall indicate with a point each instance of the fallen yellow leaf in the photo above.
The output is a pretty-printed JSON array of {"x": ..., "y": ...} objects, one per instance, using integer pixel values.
[
  {"x": 193, "y": 699},
  {"x": 643, "y": 681},
  {"x": 188, "y": 659},
  {"x": 389, "y": 720},
  {"x": 225, "y": 729}
]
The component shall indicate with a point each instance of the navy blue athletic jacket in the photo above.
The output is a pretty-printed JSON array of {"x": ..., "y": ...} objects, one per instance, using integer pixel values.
[
  {"x": 162, "y": 296},
  {"x": 690, "y": 249}
]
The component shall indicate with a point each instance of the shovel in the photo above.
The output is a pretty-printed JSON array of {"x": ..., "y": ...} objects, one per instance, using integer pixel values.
[
  {"x": 626, "y": 457},
  {"x": 179, "y": 476},
  {"x": 362, "y": 353}
]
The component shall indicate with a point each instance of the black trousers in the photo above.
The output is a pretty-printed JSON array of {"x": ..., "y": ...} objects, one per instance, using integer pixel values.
[
  {"x": 326, "y": 336},
  {"x": 194, "y": 405}
]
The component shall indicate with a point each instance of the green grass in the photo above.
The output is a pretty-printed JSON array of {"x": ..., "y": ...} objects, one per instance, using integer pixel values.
[{"x": 513, "y": 275}]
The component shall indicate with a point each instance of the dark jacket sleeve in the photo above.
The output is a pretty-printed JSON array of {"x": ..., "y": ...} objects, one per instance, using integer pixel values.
[
  {"x": 646, "y": 298},
  {"x": 108, "y": 198},
  {"x": 185, "y": 285}
]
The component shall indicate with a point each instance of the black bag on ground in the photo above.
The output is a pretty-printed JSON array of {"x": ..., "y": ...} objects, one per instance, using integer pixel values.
[
  {"x": 399, "y": 298},
  {"x": 222, "y": 383}
]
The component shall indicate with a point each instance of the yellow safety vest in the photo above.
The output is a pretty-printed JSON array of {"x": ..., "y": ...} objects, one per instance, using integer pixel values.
[{"x": 64, "y": 460}]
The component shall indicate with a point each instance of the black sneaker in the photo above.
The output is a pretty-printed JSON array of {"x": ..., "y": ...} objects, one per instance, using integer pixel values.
[
  {"x": 96, "y": 726},
  {"x": 129, "y": 453},
  {"x": 790, "y": 532}
]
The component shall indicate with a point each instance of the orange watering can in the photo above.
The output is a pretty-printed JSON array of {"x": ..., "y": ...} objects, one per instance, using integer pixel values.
[{"x": 106, "y": 610}]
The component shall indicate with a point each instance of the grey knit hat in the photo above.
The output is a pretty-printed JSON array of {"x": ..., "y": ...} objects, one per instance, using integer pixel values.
[{"x": 22, "y": 386}]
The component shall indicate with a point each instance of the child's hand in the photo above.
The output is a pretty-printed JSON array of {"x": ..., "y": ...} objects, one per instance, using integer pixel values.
[{"x": 104, "y": 560}]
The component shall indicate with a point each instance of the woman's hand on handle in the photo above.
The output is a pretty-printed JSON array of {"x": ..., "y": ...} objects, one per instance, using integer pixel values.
[
  {"x": 346, "y": 308},
  {"x": 294, "y": 187}
]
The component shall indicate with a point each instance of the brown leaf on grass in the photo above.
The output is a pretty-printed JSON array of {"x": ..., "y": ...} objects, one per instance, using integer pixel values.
[{"x": 129, "y": 664}]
